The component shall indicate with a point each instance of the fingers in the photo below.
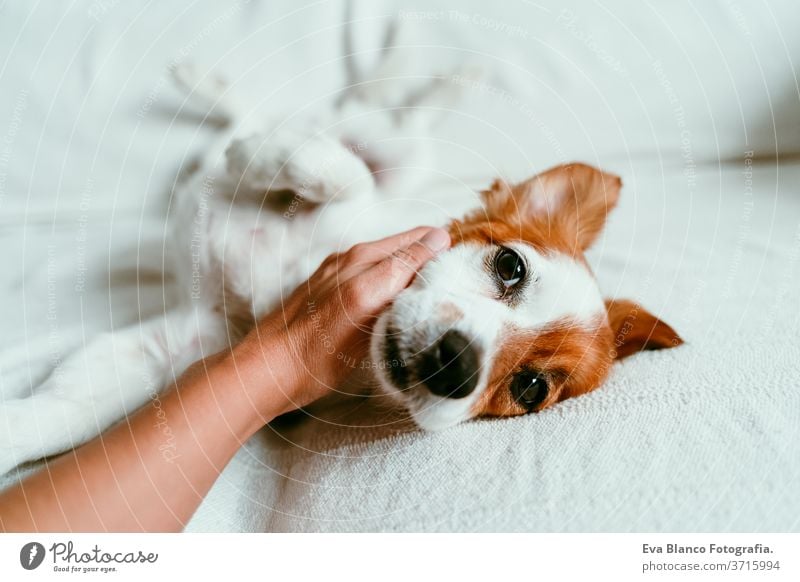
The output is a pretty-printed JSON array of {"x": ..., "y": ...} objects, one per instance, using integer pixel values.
[
  {"x": 402, "y": 239},
  {"x": 369, "y": 275},
  {"x": 395, "y": 272},
  {"x": 374, "y": 251}
]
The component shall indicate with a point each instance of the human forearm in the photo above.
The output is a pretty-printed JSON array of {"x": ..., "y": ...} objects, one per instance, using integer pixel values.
[{"x": 151, "y": 472}]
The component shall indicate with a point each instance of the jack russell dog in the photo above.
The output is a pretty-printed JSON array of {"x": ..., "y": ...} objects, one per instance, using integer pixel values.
[{"x": 509, "y": 321}]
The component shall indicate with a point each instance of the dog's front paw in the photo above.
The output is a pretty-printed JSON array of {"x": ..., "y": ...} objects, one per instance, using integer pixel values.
[{"x": 314, "y": 166}]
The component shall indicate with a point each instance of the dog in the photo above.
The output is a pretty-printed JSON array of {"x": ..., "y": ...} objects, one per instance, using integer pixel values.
[{"x": 509, "y": 321}]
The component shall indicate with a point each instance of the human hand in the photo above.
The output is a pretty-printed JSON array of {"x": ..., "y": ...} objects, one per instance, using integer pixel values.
[{"x": 309, "y": 345}]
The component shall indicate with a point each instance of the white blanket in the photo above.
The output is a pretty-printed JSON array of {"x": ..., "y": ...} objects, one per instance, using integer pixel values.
[{"x": 703, "y": 437}]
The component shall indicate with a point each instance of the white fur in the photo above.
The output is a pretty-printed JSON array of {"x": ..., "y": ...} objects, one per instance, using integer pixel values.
[
  {"x": 559, "y": 287},
  {"x": 321, "y": 165},
  {"x": 562, "y": 288}
]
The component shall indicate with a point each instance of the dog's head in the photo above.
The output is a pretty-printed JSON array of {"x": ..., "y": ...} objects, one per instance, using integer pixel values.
[{"x": 510, "y": 320}]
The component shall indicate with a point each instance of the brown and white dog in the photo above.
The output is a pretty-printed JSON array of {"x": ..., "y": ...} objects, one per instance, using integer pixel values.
[{"x": 510, "y": 320}]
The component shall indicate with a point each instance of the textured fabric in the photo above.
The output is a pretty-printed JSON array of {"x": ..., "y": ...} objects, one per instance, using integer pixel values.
[{"x": 703, "y": 437}]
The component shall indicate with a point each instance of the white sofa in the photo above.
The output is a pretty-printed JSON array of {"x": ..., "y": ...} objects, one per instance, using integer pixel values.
[{"x": 696, "y": 107}]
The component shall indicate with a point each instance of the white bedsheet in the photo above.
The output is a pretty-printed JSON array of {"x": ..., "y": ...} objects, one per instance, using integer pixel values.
[{"x": 699, "y": 438}]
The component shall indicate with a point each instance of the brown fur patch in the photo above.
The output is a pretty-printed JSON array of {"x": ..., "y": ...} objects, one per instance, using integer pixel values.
[
  {"x": 573, "y": 357},
  {"x": 563, "y": 209},
  {"x": 636, "y": 329}
]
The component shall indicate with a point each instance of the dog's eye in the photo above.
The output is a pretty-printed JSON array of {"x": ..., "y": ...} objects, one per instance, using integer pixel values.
[
  {"x": 529, "y": 389},
  {"x": 509, "y": 267}
]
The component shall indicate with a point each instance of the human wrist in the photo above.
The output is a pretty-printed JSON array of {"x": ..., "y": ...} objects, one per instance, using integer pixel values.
[{"x": 263, "y": 366}]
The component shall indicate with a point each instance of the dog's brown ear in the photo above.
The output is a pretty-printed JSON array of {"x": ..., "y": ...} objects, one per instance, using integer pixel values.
[
  {"x": 636, "y": 329},
  {"x": 573, "y": 199}
]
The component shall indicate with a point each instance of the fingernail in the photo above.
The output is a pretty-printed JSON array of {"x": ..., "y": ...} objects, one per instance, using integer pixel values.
[{"x": 436, "y": 240}]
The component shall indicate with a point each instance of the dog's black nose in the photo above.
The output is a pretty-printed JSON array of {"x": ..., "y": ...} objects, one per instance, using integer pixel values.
[{"x": 450, "y": 368}]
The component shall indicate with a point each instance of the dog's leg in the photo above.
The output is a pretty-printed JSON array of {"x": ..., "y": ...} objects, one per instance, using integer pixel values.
[
  {"x": 93, "y": 388},
  {"x": 313, "y": 165}
]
